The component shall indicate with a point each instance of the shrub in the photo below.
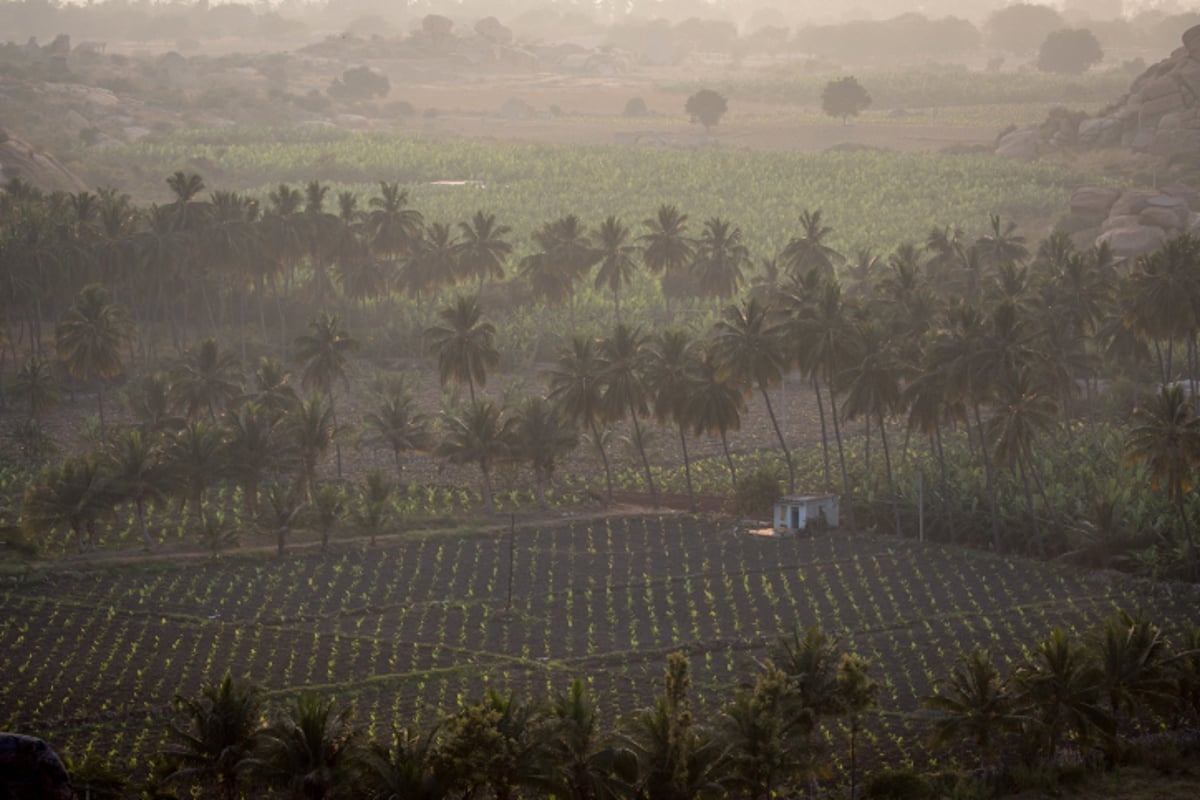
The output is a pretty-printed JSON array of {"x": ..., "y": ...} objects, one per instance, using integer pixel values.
[
  {"x": 757, "y": 492},
  {"x": 897, "y": 784},
  {"x": 360, "y": 83},
  {"x": 635, "y": 107}
]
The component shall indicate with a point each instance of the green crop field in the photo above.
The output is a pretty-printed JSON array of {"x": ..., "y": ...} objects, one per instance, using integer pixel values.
[
  {"x": 871, "y": 198},
  {"x": 406, "y": 630}
]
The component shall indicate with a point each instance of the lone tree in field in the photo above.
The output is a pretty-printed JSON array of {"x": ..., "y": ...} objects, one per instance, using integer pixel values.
[
  {"x": 1069, "y": 52},
  {"x": 706, "y": 107},
  {"x": 845, "y": 98}
]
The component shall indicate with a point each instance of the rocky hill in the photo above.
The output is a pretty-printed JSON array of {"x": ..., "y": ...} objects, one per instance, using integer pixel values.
[{"x": 20, "y": 159}]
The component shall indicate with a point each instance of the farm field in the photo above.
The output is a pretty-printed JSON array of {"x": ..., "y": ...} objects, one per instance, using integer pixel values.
[
  {"x": 871, "y": 198},
  {"x": 406, "y": 630}
]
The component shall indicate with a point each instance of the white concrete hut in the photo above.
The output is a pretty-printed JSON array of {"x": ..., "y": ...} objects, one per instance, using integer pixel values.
[{"x": 793, "y": 513}]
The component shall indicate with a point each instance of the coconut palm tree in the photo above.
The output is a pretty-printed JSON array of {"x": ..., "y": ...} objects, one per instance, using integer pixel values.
[
  {"x": 326, "y": 509},
  {"x": 748, "y": 346},
  {"x": 1166, "y": 437},
  {"x": 809, "y": 250},
  {"x": 973, "y": 703},
  {"x": 510, "y": 732},
  {"x": 1059, "y": 690},
  {"x": 431, "y": 261},
  {"x": 622, "y": 367},
  {"x": 481, "y": 434},
  {"x": 585, "y": 767},
  {"x": 873, "y": 388},
  {"x": 670, "y": 367},
  {"x": 481, "y": 249},
  {"x": 254, "y": 448},
  {"x": 397, "y": 423},
  {"x": 90, "y": 337},
  {"x": 392, "y": 227},
  {"x": 577, "y": 388},
  {"x": 464, "y": 342},
  {"x": 666, "y": 248},
  {"x": 542, "y": 437},
  {"x": 271, "y": 387},
  {"x": 307, "y": 750},
  {"x": 194, "y": 459},
  {"x": 1134, "y": 658},
  {"x": 206, "y": 379},
  {"x": 374, "y": 510},
  {"x": 73, "y": 493},
  {"x": 136, "y": 474},
  {"x": 36, "y": 385},
  {"x": 714, "y": 405},
  {"x": 152, "y": 401},
  {"x": 1001, "y": 244},
  {"x": 767, "y": 735},
  {"x": 1163, "y": 298},
  {"x": 224, "y": 725},
  {"x": 617, "y": 254},
  {"x": 720, "y": 259},
  {"x": 285, "y": 511},
  {"x": 325, "y": 351},
  {"x": 310, "y": 429},
  {"x": 403, "y": 770}
]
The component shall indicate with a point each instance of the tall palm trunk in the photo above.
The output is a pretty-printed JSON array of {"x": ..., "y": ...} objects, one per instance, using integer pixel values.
[
  {"x": 140, "y": 506},
  {"x": 837, "y": 433},
  {"x": 729, "y": 459},
  {"x": 824, "y": 434},
  {"x": 637, "y": 432},
  {"x": 887, "y": 462},
  {"x": 486, "y": 471},
  {"x": 604, "y": 458},
  {"x": 991, "y": 482},
  {"x": 687, "y": 469},
  {"x": 337, "y": 446},
  {"x": 787, "y": 454}
]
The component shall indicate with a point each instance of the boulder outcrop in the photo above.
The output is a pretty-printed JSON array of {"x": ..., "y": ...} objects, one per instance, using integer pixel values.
[
  {"x": 1131, "y": 222},
  {"x": 20, "y": 159}
]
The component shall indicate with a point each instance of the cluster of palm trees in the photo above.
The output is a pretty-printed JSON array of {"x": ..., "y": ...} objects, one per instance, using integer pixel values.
[
  {"x": 976, "y": 342},
  {"x": 1123, "y": 679}
]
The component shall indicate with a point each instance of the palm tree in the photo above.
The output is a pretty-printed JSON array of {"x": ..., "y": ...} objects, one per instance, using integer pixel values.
[
  {"x": 36, "y": 385},
  {"x": 1134, "y": 659},
  {"x": 206, "y": 379},
  {"x": 542, "y": 437},
  {"x": 808, "y": 250},
  {"x": 622, "y": 366},
  {"x": 310, "y": 429},
  {"x": 714, "y": 405},
  {"x": 328, "y": 504},
  {"x": 856, "y": 693},
  {"x": 482, "y": 248},
  {"x": 392, "y": 228},
  {"x": 1059, "y": 689},
  {"x": 432, "y": 260},
  {"x": 873, "y": 388},
  {"x": 224, "y": 726},
  {"x": 811, "y": 663},
  {"x": 74, "y": 493},
  {"x": 749, "y": 348},
  {"x": 271, "y": 388},
  {"x": 767, "y": 735},
  {"x": 153, "y": 404},
  {"x": 617, "y": 265},
  {"x": 670, "y": 368},
  {"x": 396, "y": 423},
  {"x": 720, "y": 258},
  {"x": 1163, "y": 295},
  {"x": 306, "y": 750},
  {"x": 577, "y": 388},
  {"x": 481, "y": 434},
  {"x": 254, "y": 448},
  {"x": 1001, "y": 245},
  {"x": 1166, "y": 437},
  {"x": 676, "y": 761},
  {"x": 404, "y": 770},
  {"x": 194, "y": 458},
  {"x": 90, "y": 337},
  {"x": 464, "y": 341},
  {"x": 584, "y": 767},
  {"x": 1021, "y": 414},
  {"x": 136, "y": 474},
  {"x": 973, "y": 703},
  {"x": 375, "y": 509},
  {"x": 325, "y": 351},
  {"x": 666, "y": 248},
  {"x": 286, "y": 508}
]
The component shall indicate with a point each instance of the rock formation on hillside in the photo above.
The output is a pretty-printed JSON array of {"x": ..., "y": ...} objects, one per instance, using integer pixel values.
[
  {"x": 1134, "y": 221},
  {"x": 20, "y": 159},
  {"x": 1160, "y": 115}
]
